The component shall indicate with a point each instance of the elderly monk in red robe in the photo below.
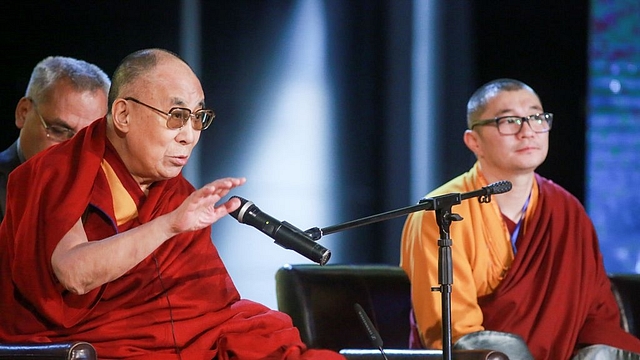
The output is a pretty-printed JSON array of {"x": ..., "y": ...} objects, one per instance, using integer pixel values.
[
  {"x": 526, "y": 264},
  {"x": 104, "y": 240}
]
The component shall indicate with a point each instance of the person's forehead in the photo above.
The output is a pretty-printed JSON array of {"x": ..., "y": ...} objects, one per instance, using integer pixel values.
[
  {"x": 59, "y": 90},
  {"x": 171, "y": 67},
  {"x": 512, "y": 100},
  {"x": 173, "y": 78},
  {"x": 65, "y": 95},
  {"x": 75, "y": 110}
]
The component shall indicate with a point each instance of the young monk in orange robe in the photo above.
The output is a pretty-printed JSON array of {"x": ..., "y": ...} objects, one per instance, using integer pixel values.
[{"x": 527, "y": 263}]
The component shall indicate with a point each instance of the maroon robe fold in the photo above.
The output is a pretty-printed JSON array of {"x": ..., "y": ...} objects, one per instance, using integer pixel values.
[
  {"x": 557, "y": 292},
  {"x": 180, "y": 298}
]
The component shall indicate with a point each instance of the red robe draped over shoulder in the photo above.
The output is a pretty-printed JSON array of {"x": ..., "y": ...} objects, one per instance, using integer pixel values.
[
  {"x": 557, "y": 292},
  {"x": 178, "y": 299}
]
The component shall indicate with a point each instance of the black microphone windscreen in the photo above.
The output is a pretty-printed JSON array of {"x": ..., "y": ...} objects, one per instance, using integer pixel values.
[
  {"x": 500, "y": 187},
  {"x": 236, "y": 213}
]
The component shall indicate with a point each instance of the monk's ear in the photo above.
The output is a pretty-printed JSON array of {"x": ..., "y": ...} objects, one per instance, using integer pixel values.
[
  {"x": 120, "y": 115},
  {"x": 22, "y": 109},
  {"x": 472, "y": 140}
]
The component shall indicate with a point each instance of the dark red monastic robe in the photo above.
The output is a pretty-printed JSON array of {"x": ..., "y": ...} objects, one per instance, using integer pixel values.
[
  {"x": 557, "y": 292},
  {"x": 179, "y": 299}
]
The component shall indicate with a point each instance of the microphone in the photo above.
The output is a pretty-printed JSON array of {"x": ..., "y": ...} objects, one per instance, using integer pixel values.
[
  {"x": 499, "y": 187},
  {"x": 371, "y": 330},
  {"x": 284, "y": 234},
  {"x": 484, "y": 194}
]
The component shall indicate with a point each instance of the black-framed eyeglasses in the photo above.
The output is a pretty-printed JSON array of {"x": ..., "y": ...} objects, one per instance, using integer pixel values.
[
  {"x": 177, "y": 117},
  {"x": 511, "y": 125},
  {"x": 57, "y": 133}
]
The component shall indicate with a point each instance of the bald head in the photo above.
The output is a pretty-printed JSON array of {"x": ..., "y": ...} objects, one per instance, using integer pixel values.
[{"x": 134, "y": 67}]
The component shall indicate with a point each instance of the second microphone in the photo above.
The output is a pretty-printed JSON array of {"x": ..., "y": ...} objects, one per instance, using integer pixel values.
[{"x": 284, "y": 234}]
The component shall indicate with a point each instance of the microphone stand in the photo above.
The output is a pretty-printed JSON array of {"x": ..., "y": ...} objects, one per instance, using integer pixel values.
[
  {"x": 442, "y": 206},
  {"x": 444, "y": 217}
]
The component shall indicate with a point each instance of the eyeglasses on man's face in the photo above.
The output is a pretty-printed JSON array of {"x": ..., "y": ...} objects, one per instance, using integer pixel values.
[
  {"x": 177, "y": 117},
  {"x": 57, "y": 133},
  {"x": 511, "y": 125}
]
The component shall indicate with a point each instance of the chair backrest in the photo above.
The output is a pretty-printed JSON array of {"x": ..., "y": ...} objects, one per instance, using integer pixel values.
[
  {"x": 625, "y": 289},
  {"x": 321, "y": 300}
]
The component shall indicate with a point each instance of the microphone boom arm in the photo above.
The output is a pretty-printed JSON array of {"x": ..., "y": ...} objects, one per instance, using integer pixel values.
[
  {"x": 316, "y": 233},
  {"x": 433, "y": 203}
]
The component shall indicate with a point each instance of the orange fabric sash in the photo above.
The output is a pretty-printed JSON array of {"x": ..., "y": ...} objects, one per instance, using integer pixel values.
[{"x": 481, "y": 255}]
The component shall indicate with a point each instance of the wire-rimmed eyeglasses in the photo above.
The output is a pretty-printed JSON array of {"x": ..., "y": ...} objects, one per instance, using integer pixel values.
[
  {"x": 177, "y": 117},
  {"x": 511, "y": 125},
  {"x": 57, "y": 133}
]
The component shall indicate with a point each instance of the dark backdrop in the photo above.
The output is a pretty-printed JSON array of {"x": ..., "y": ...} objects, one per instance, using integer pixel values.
[{"x": 542, "y": 42}]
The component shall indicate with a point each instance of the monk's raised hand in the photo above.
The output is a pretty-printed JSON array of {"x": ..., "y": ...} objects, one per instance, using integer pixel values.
[{"x": 201, "y": 208}]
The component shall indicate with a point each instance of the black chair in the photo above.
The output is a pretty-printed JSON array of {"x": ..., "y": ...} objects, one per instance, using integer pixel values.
[{"x": 321, "y": 300}]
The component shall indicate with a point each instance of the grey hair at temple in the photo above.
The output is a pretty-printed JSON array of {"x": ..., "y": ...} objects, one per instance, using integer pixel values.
[{"x": 81, "y": 75}]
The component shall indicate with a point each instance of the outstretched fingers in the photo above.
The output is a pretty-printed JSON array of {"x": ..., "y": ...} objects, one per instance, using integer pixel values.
[
  {"x": 201, "y": 208},
  {"x": 216, "y": 190},
  {"x": 221, "y": 187}
]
